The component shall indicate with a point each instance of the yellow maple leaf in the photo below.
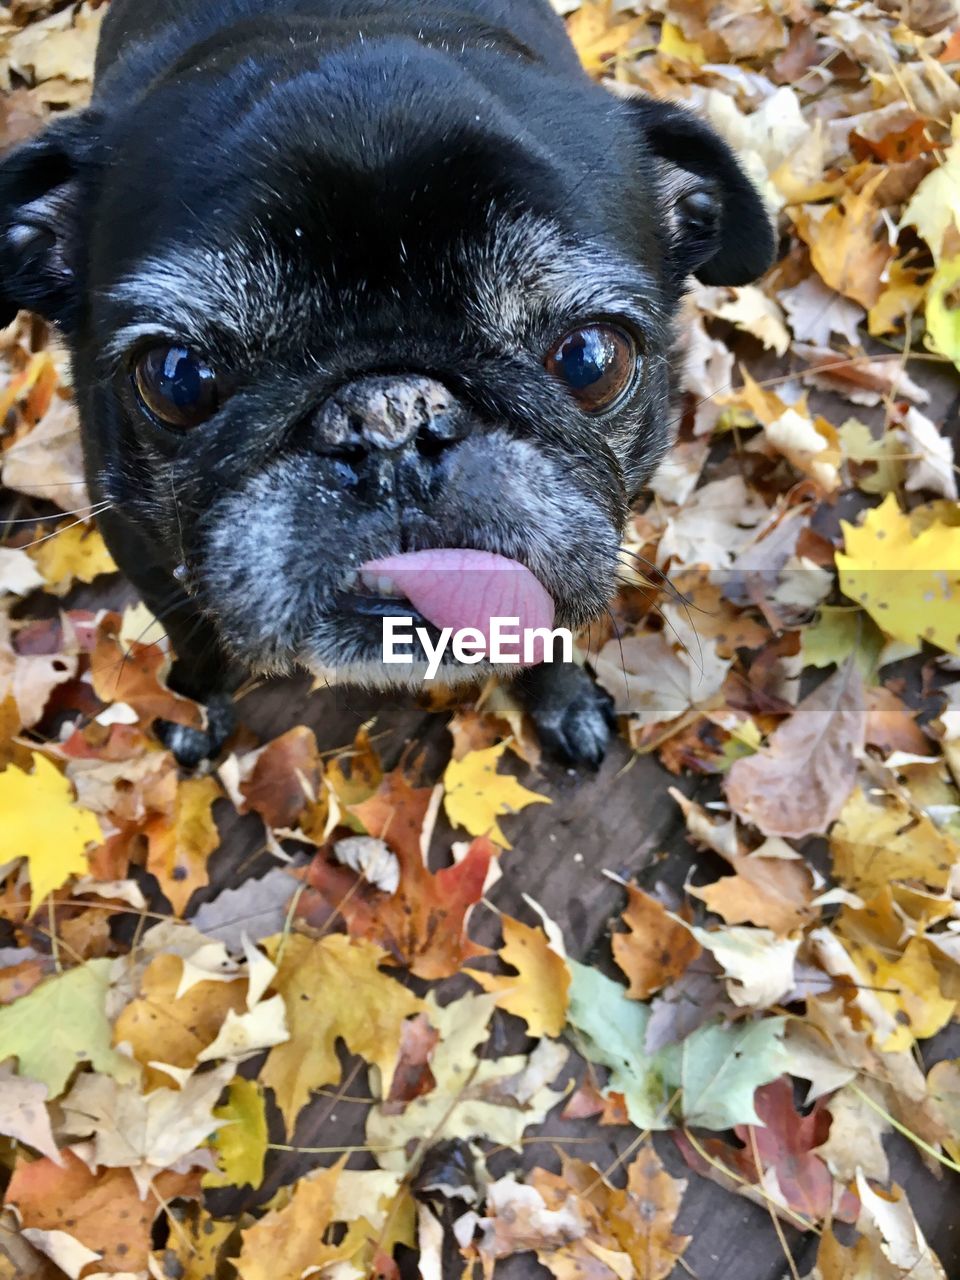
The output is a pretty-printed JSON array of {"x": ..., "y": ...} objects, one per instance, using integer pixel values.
[
  {"x": 901, "y": 296},
  {"x": 908, "y": 583},
  {"x": 40, "y": 821},
  {"x": 241, "y": 1144},
  {"x": 935, "y": 205},
  {"x": 289, "y": 1242},
  {"x": 539, "y": 991},
  {"x": 179, "y": 844},
  {"x": 600, "y": 34},
  {"x": 878, "y": 839},
  {"x": 158, "y": 1026},
  {"x": 943, "y": 309},
  {"x": 476, "y": 795},
  {"x": 333, "y": 989},
  {"x": 908, "y": 988},
  {"x": 674, "y": 44},
  {"x": 849, "y": 245},
  {"x": 75, "y": 553}
]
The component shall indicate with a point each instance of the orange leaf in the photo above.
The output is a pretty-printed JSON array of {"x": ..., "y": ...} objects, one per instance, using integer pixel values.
[
  {"x": 136, "y": 675},
  {"x": 423, "y": 924},
  {"x": 179, "y": 845},
  {"x": 775, "y": 893},
  {"x": 849, "y": 246},
  {"x": 102, "y": 1210},
  {"x": 285, "y": 778},
  {"x": 656, "y": 950}
]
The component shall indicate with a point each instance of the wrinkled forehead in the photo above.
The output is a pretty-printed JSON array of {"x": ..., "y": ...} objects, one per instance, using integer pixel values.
[
  {"x": 395, "y": 215},
  {"x": 501, "y": 279}
]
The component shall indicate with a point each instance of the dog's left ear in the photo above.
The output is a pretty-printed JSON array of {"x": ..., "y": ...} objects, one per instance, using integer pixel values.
[
  {"x": 42, "y": 190},
  {"x": 721, "y": 231}
]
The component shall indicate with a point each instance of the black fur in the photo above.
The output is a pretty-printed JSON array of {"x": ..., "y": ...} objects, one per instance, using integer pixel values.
[{"x": 316, "y": 193}]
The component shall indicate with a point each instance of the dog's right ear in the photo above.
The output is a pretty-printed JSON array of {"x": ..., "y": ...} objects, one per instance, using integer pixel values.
[{"x": 42, "y": 187}]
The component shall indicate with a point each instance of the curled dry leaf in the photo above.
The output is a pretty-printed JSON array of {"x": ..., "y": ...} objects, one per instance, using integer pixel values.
[{"x": 798, "y": 784}]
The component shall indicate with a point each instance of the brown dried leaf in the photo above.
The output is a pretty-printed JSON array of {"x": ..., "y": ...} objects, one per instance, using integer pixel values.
[{"x": 798, "y": 784}]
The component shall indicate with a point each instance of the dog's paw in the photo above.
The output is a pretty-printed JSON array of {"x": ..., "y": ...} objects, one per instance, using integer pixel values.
[
  {"x": 190, "y": 747},
  {"x": 573, "y": 716}
]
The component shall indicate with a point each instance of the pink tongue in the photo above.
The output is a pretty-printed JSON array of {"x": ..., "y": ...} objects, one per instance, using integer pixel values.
[{"x": 464, "y": 588}]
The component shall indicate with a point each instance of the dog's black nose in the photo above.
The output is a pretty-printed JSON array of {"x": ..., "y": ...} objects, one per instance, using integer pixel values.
[{"x": 388, "y": 414}]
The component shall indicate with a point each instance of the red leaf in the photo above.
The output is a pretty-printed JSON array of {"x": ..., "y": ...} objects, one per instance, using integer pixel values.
[
  {"x": 423, "y": 924},
  {"x": 785, "y": 1143}
]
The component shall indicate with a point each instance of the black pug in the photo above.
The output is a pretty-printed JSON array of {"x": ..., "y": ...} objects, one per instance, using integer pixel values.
[{"x": 351, "y": 281}]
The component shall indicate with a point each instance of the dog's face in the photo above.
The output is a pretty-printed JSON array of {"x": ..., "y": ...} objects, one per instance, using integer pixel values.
[{"x": 379, "y": 315}]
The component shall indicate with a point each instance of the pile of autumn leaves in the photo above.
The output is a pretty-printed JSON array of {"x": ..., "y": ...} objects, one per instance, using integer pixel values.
[{"x": 135, "y": 1076}]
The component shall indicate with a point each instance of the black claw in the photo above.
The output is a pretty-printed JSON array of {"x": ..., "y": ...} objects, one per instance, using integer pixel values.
[
  {"x": 190, "y": 747},
  {"x": 574, "y": 717}
]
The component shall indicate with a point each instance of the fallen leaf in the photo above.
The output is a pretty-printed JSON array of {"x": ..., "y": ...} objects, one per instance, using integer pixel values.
[
  {"x": 257, "y": 908},
  {"x": 476, "y": 796},
  {"x": 932, "y": 468},
  {"x": 753, "y": 312},
  {"x": 850, "y": 244},
  {"x": 162, "y": 1026},
  {"x": 135, "y": 674},
  {"x": 775, "y": 893},
  {"x": 145, "y": 1133},
  {"x": 18, "y": 574},
  {"x": 42, "y": 823},
  {"x": 333, "y": 989},
  {"x": 179, "y": 845},
  {"x": 473, "y": 1096},
  {"x": 943, "y": 309},
  {"x": 656, "y": 950},
  {"x": 61, "y": 1024},
  {"x": 241, "y": 1140},
  {"x": 244, "y": 1034},
  {"x": 758, "y": 965},
  {"x": 932, "y": 208},
  {"x": 716, "y": 1069},
  {"x": 23, "y": 1113},
  {"x": 74, "y": 553},
  {"x": 538, "y": 992},
  {"x": 581, "y": 1226},
  {"x": 791, "y": 1171},
  {"x": 599, "y": 32},
  {"x": 815, "y": 312},
  {"x": 102, "y": 1210},
  {"x": 856, "y": 1137},
  {"x": 197, "y": 1246},
  {"x": 906, "y": 582},
  {"x": 877, "y": 839},
  {"x": 799, "y": 783},
  {"x": 284, "y": 779},
  {"x": 423, "y": 924}
]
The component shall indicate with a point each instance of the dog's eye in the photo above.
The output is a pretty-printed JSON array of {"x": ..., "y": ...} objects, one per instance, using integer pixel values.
[
  {"x": 177, "y": 386},
  {"x": 597, "y": 363}
]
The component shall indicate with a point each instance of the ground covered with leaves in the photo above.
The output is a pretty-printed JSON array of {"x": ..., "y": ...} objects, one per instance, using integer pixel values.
[{"x": 788, "y": 635}]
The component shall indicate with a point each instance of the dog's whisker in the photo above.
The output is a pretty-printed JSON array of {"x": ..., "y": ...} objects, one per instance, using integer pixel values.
[
  {"x": 56, "y": 532},
  {"x": 85, "y": 513}
]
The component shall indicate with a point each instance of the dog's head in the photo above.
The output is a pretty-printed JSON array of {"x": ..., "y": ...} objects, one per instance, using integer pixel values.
[{"x": 328, "y": 312}]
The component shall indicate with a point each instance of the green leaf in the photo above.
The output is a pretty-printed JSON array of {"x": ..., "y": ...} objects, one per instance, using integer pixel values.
[
  {"x": 836, "y": 632},
  {"x": 62, "y": 1023},
  {"x": 610, "y": 1031},
  {"x": 242, "y": 1142},
  {"x": 717, "y": 1069}
]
